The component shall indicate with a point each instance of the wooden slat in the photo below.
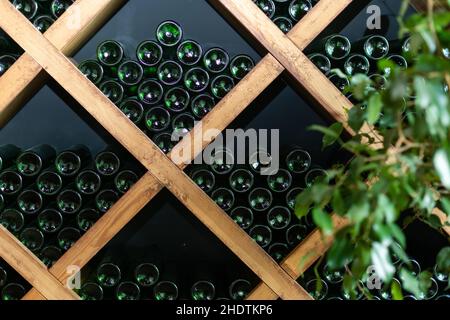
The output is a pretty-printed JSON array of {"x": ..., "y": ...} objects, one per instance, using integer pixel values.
[
  {"x": 107, "y": 227},
  {"x": 300, "y": 259},
  {"x": 164, "y": 170},
  {"x": 26, "y": 76},
  {"x": 31, "y": 268},
  {"x": 444, "y": 220},
  {"x": 289, "y": 55}
]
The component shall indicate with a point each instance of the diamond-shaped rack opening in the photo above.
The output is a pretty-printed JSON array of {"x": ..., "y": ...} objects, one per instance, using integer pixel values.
[
  {"x": 166, "y": 102},
  {"x": 342, "y": 45},
  {"x": 183, "y": 251},
  {"x": 50, "y": 205},
  {"x": 263, "y": 205},
  {"x": 421, "y": 255},
  {"x": 42, "y": 13},
  {"x": 285, "y": 13},
  {"x": 12, "y": 285},
  {"x": 9, "y": 52}
]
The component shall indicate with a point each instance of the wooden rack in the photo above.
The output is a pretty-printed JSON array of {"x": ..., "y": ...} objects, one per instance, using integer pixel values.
[{"x": 47, "y": 55}]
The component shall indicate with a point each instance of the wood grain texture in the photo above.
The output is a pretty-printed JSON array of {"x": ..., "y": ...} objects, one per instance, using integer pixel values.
[
  {"x": 162, "y": 168},
  {"x": 320, "y": 17},
  {"x": 444, "y": 220},
  {"x": 31, "y": 268},
  {"x": 300, "y": 259},
  {"x": 107, "y": 227},
  {"x": 327, "y": 96},
  {"x": 68, "y": 33}
]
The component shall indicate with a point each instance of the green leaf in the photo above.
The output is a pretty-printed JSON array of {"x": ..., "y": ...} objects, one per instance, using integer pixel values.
[
  {"x": 356, "y": 118},
  {"x": 359, "y": 211},
  {"x": 337, "y": 202},
  {"x": 374, "y": 108},
  {"x": 445, "y": 205},
  {"x": 303, "y": 203},
  {"x": 443, "y": 260},
  {"x": 442, "y": 165},
  {"x": 323, "y": 221},
  {"x": 409, "y": 282},
  {"x": 341, "y": 252},
  {"x": 396, "y": 291},
  {"x": 398, "y": 234},
  {"x": 381, "y": 261}
]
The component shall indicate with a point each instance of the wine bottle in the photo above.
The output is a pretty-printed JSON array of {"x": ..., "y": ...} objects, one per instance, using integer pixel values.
[
  {"x": 43, "y": 22},
  {"x": 10, "y": 183},
  {"x": 261, "y": 234},
  {"x": 189, "y": 52},
  {"x": 128, "y": 290},
  {"x": 146, "y": 274},
  {"x": 283, "y": 23},
  {"x": 222, "y": 161},
  {"x": 130, "y": 74},
  {"x": 92, "y": 70},
  {"x": 176, "y": 99},
  {"x": 164, "y": 141},
  {"x": 298, "y": 161},
  {"x": 12, "y": 291},
  {"x": 280, "y": 181},
  {"x": 105, "y": 199},
  {"x": 196, "y": 79},
  {"x": 342, "y": 83},
  {"x": 201, "y": 105},
  {"x": 8, "y": 154},
  {"x": 165, "y": 290},
  {"x": 49, "y": 183},
  {"x": 241, "y": 180},
  {"x": 169, "y": 33},
  {"x": 279, "y": 217},
  {"x": 149, "y": 54},
  {"x": 321, "y": 61},
  {"x": 355, "y": 64},
  {"x": 49, "y": 255},
  {"x": 50, "y": 221},
  {"x": 32, "y": 238},
  {"x": 267, "y": 6},
  {"x": 243, "y": 216},
  {"x": 69, "y": 162},
  {"x": 86, "y": 218},
  {"x": 278, "y": 251},
  {"x": 239, "y": 289},
  {"x": 291, "y": 197},
  {"x": 205, "y": 179},
  {"x": 30, "y": 202},
  {"x": 224, "y": 198},
  {"x": 58, "y": 7},
  {"x": 216, "y": 60},
  {"x": 170, "y": 73},
  {"x": 124, "y": 180},
  {"x": 295, "y": 234},
  {"x": 110, "y": 53},
  {"x": 203, "y": 290},
  {"x": 113, "y": 90},
  {"x": 90, "y": 291},
  {"x": 133, "y": 109},
  {"x": 260, "y": 199},
  {"x": 150, "y": 92},
  {"x": 6, "y": 61},
  {"x": 28, "y": 8},
  {"x": 88, "y": 182},
  {"x": 182, "y": 124},
  {"x": 375, "y": 47},
  {"x": 157, "y": 119},
  {"x": 69, "y": 201},
  {"x": 108, "y": 275},
  {"x": 299, "y": 8},
  {"x": 221, "y": 86},
  {"x": 107, "y": 163},
  {"x": 67, "y": 237},
  {"x": 317, "y": 288},
  {"x": 12, "y": 219},
  {"x": 32, "y": 161}
]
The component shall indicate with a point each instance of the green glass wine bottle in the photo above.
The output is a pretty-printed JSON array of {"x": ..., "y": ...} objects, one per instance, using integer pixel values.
[
  {"x": 49, "y": 255},
  {"x": 58, "y": 7},
  {"x": 88, "y": 182},
  {"x": 317, "y": 288},
  {"x": 299, "y": 8},
  {"x": 67, "y": 237},
  {"x": 283, "y": 23},
  {"x": 113, "y": 90},
  {"x": 69, "y": 162},
  {"x": 169, "y": 33},
  {"x": 321, "y": 61},
  {"x": 165, "y": 290},
  {"x": 205, "y": 179},
  {"x": 189, "y": 52},
  {"x": 164, "y": 141},
  {"x": 110, "y": 53},
  {"x": 130, "y": 74},
  {"x": 49, "y": 183},
  {"x": 105, "y": 199},
  {"x": 241, "y": 180},
  {"x": 10, "y": 183},
  {"x": 69, "y": 201},
  {"x": 12, "y": 291},
  {"x": 261, "y": 234},
  {"x": 29, "y": 8},
  {"x": 201, "y": 105},
  {"x": 128, "y": 291},
  {"x": 86, "y": 218},
  {"x": 280, "y": 181},
  {"x": 8, "y": 154},
  {"x": 146, "y": 274},
  {"x": 221, "y": 86},
  {"x": 108, "y": 275},
  {"x": 30, "y": 202},
  {"x": 260, "y": 199},
  {"x": 43, "y": 22},
  {"x": 176, "y": 99},
  {"x": 267, "y": 6},
  {"x": 107, "y": 163},
  {"x": 149, "y": 54},
  {"x": 355, "y": 64},
  {"x": 170, "y": 73},
  {"x": 157, "y": 119},
  {"x": 124, "y": 180},
  {"x": 50, "y": 221},
  {"x": 32, "y": 238},
  {"x": 296, "y": 234},
  {"x": 92, "y": 70},
  {"x": 182, "y": 124},
  {"x": 150, "y": 92},
  {"x": 239, "y": 289},
  {"x": 240, "y": 66},
  {"x": 243, "y": 216},
  {"x": 32, "y": 161},
  {"x": 216, "y": 60},
  {"x": 298, "y": 161},
  {"x": 6, "y": 62},
  {"x": 224, "y": 198},
  {"x": 91, "y": 291},
  {"x": 133, "y": 109},
  {"x": 279, "y": 217},
  {"x": 196, "y": 79},
  {"x": 13, "y": 220},
  {"x": 203, "y": 290},
  {"x": 278, "y": 251},
  {"x": 374, "y": 47}
]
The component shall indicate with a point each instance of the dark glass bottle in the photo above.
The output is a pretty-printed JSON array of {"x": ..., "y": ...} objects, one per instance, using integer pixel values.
[
  {"x": 69, "y": 162},
  {"x": 32, "y": 161},
  {"x": 8, "y": 154}
]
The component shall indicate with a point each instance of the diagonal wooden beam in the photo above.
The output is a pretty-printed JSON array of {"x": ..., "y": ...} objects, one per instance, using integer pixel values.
[
  {"x": 32, "y": 269},
  {"x": 162, "y": 168},
  {"x": 68, "y": 33},
  {"x": 300, "y": 259}
]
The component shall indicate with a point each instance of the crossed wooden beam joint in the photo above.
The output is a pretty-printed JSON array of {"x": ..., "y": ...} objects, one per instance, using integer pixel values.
[{"x": 47, "y": 55}]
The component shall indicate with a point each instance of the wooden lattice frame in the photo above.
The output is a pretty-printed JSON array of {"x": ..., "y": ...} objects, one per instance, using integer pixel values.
[{"x": 46, "y": 54}]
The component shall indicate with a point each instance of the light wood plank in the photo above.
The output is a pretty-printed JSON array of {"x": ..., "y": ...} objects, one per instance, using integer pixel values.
[
  {"x": 68, "y": 33},
  {"x": 31, "y": 268},
  {"x": 300, "y": 259},
  {"x": 107, "y": 227},
  {"x": 164, "y": 170}
]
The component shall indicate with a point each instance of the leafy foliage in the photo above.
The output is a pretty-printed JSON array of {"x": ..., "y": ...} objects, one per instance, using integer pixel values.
[{"x": 401, "y": 162}]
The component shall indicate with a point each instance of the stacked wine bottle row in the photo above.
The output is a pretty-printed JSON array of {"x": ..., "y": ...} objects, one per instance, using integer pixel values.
[
  {"x": 12, "y": 285},
  {"x": 42, "y": 13},
  {"x": 331, "y": 284},
  {"x": 263, "y": 205},
  {"x": 285, "y": 13},
  {"x": 172, "y": 84},
  {"x": 148, "y": 281},
  {"x": 361, "y": 57},
  {"x": 49, "y": 200}
]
